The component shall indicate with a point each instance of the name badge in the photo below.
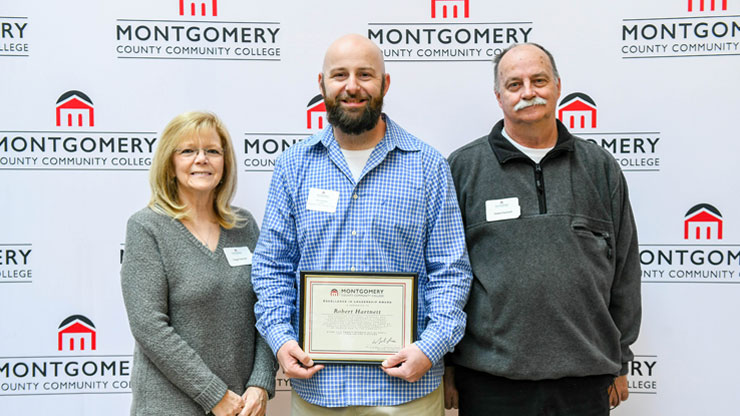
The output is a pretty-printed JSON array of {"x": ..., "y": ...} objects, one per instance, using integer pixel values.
[
  {"x": 238, "y": 256},
  {"x": 503, "y": 209},
  {"x": 322, "y": 200}
]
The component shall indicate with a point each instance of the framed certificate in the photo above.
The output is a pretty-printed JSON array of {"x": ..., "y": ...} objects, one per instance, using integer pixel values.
[{"x": 357, "y": 318}]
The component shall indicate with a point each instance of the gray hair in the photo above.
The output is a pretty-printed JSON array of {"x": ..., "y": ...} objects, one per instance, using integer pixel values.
[{"x": 497, "y": 60}]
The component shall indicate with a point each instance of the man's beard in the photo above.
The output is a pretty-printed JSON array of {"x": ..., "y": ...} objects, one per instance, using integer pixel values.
[{"x": 349, "y": 122}]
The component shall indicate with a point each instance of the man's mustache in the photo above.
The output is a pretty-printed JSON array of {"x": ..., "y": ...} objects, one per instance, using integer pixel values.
[{"x": 522, "y": 104}]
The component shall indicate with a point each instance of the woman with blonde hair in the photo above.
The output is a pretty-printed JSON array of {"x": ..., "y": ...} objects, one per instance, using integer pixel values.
[{"x": 186, "y": 283}]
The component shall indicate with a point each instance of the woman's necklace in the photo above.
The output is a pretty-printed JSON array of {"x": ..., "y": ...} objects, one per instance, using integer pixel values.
[{"x": 207, "y": 241}]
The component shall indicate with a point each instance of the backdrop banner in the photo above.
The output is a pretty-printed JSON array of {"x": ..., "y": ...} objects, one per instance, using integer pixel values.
[{"x": 88, "y": 86}]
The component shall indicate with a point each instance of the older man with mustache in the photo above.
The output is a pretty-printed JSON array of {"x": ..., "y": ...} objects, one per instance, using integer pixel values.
[{"x": 555, "y": 301}]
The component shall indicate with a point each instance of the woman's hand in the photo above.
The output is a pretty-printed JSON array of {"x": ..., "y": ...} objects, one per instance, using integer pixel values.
[
  {"x": 255, "y": 402},
  {"x": 230, "y": 405}
]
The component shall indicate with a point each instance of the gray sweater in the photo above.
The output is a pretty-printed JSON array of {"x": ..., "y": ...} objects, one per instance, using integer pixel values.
[
  {"x": 192, "y": 317},
  {"x": 556, "y": 292}
]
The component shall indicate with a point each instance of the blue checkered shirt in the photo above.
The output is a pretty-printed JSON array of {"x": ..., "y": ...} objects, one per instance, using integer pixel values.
[{"x": 401, "y": 216}]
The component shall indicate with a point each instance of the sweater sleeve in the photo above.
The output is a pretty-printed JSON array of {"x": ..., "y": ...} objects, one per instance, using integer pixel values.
[
  {"x": 626, "y": 304},
  {"x": 265, "y": 367},
  {"x": 145, "y": 294}
]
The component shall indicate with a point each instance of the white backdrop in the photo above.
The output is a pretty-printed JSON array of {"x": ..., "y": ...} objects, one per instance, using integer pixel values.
[{"x": 657, "y": 77}]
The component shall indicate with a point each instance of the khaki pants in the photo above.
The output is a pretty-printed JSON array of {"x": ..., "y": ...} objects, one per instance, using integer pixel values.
[{"x": 432, "y": 405}]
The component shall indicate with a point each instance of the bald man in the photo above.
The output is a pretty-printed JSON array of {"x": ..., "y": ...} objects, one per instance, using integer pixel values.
[
  {"x": 555, "y": 301},
  {"x": 389, "y": 206}
]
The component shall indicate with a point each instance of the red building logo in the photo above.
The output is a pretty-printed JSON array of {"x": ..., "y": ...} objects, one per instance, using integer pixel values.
[
  {"x": 198, "y": 8},
  {"x": 577, "y": 111},
  {"x": 450, "y": 9},
  {"x": 702, "y": 222},
  {"x": 712, "y": 5},
  {"x": 316, "y": 113},
  {"x": 76, "y": 333},
  {"x": 334, "y": 292},
  {"x": 75, "y": 109}
]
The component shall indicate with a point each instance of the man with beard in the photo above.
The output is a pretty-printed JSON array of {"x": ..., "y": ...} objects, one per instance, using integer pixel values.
[
  {"x": 555, "y": 300},
  {"x": 363, "y": 195}
]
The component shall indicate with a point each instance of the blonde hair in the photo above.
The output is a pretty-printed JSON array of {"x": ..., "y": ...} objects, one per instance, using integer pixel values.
[{"x": 162, "y": 180}]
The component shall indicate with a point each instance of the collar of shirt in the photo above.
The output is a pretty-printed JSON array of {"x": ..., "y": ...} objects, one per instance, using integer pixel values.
[
  {"x": 505, "y": 151},
  {"x": 394, "y": 137}
]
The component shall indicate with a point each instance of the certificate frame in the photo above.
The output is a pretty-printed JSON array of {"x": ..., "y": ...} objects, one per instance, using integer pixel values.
[{"x": 354, "y": 317}]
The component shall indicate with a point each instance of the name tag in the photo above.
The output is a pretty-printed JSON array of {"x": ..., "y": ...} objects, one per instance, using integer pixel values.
[
  {"x": 322, "y": 200},
  {"x": 503, "y": 209},
  {"x": 238, "y": 256}
]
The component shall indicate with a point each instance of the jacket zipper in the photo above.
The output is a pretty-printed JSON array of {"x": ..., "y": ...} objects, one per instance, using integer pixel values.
[{"x": 539, "y": 182}]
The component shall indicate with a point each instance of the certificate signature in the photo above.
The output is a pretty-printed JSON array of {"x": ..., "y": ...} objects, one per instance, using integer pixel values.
[{"x": 383, "y": 341}]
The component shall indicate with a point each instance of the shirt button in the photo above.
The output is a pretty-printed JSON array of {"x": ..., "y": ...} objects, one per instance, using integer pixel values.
[
  {"x": 354, "y": 232},
  {"x": 354, "y": 196},
  {"x": 352, "y": 268}
]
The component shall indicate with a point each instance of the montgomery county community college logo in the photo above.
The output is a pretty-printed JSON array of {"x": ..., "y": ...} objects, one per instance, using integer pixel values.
[
  {"x": 635, "y": 151},
  {"x": 199, "y": 8},
  {"x": 75, "y": 109},
  {"x": 450, "y": 9},
  {"x": 189, "y": 36},
  {"x": 698, "y": 5},
  {"x": 74, "y": 366},
  {"x": 15, "y": 263},
  {"x": 76, "y": 333},
  {"x": 709, "y": 30},
  {"x": 697, "y": 256},
  {"x": 703, "y": 222},
  {"x": 315, "y": 113},
  {"x": 334, "y": 292},
  {"x": 577, "y": 111},
  {"x": 73, "y": 146},
  {"x": 13, "y": 36},
  {"x": 449, "y": 35}
]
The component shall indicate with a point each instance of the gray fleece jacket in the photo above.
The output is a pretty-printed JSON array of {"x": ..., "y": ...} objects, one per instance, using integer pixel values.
[
  {"x": 556, "y": 292},
  {"x": 191, "y": 314}
]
